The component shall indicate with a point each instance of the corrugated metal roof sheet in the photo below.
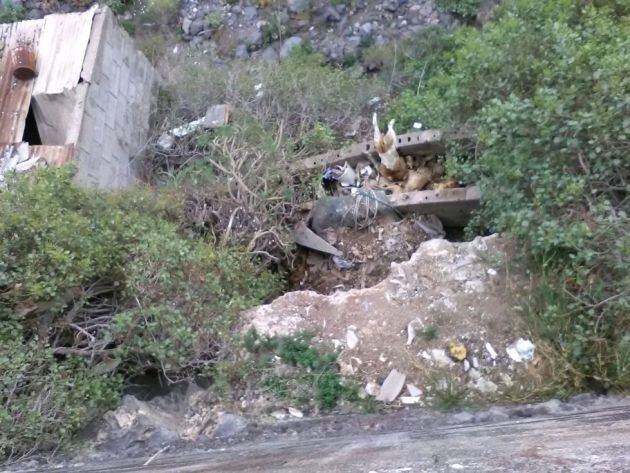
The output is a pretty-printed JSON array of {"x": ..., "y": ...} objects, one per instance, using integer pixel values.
[
  {"x": 60, "y": 42},
  {"x": 61, "y": 51}
]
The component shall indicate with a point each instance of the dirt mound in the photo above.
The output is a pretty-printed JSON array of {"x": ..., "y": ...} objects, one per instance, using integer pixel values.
[
  {"x": 367, "y": 256},
  {"x": 444, "y": 319}
]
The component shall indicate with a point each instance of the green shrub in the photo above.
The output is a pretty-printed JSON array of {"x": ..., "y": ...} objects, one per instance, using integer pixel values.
[
  {"x": 96, "y": 288},
  {"x": 214, "y": 20},
  {"x": 545, "y": 88},
  {"x": 465, "y": 8},
  {"x": 11, "y": 12}
]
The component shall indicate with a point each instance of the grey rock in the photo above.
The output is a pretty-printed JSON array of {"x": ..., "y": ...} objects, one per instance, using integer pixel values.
[
  {"x": 186, "y": 25},
  {"x": 341, "y": 8},
  {"x": 289, "y": 45},
  {"x": 366, "y": 29},
  {"x": 241, "y": 52},
  {"x": 269, "y": 54},
  {"x": 229, "y": 425},
  {"x": 391, "y": 5},
  {"x": 331, "y": 14},
  {"x": 196, "y": 27},
  {"x": 35, "y": 14},
  {"x": 250, "y": 36},
  {"x": 298, "y": 6},
  {"x": 250, "y": 13}
]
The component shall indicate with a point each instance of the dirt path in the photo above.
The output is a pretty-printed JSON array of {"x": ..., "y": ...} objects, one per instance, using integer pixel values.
[{"x": 595, "y": 439}]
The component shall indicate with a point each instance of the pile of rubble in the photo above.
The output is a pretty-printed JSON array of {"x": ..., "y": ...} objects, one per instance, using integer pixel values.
[
  {"x": 272, "y": 29},
  {"x": 446, "y": 320}
]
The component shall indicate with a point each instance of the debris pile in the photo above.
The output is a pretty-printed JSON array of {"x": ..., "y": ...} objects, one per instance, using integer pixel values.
[{"x": 443, "y": 321}]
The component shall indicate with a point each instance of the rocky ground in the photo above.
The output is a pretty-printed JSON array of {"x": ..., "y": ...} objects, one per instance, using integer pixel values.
[
  {"x": 337, "y": 29},
  {"x": 586, "y": 434},
  {"x": 445, "y": 321}
]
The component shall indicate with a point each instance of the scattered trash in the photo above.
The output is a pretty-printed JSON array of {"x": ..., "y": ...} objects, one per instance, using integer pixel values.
[
  {"x": 491, "y": 352},
  {"x": 440, "y": 357},
  {"x": 188, "y": 128},
  {"x": 343, "y": 174},
  {"x": 413, "y": 390},
  {"x": 391, "y": 387},
  {"x": 411, "y": 329},
  {"x": 417, "y": 125},
  {"x": 374, "y": 100},
  {"x": 372, "y": 389},
  {"x": 304, "y": 236},
  {"x": 342, "y": 264},
  {"x": 166, "y": 141},
  {"x": 521, "y": 350},
  {"x": 217, "y": 116},
  {"x": 258, "y": 88},
  {"x": 410, "y": 399},
  {"x": 457, "y": 466},
  {"x": 382, "y": 358},
  {"x": 295, "y": 412},
  {"x": 351, "y": 338},
  {"x": 475, "y": 362},
  {"x": 457, "y": 351},
  {"x": 486, "y": 386},
  {"x": 491, "y": 272},
  {"x": 279, "y": 414},
  {"x": 431, "y": 225},
  {"x": 466, "y": 365}
]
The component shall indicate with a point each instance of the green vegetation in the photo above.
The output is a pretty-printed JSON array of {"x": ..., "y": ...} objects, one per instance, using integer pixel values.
[
  {"x": 214, "y": 20},
  {"x": 11, "y": 12},
  {"x": 311, "y": 377},
  {"x": 545, "y": 89},
  {"x": 465, "y": 8},
  {"x": 95, "y": 289}
]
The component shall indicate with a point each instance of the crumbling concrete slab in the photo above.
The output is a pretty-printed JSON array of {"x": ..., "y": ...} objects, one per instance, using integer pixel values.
[{"x": 452, "y": 206}]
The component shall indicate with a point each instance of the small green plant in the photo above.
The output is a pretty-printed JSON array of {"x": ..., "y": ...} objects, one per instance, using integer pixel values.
[
  {"x": 313, "y": 377},
  {"x": 214, "y": 20},
  {"x": 11, "y": 12},
  {"x": 321, "y": 138},
  {"x": 429, "y": 332},
  {"x": 447, "y": 395},
  {"x": 120, "y": 6}
]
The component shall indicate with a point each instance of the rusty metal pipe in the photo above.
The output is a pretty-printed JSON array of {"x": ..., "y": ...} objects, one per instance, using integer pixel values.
[{"x": 24, "y": 61}]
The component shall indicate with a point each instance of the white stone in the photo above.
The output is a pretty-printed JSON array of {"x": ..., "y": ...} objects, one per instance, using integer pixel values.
[
  {"x": 414, "y": 390},
  {"x": 295, "y": 412},
  {"x": 351, "y": 339},
  {"x": 391, "y": 387},
  {"x": 490, "y": 350}
]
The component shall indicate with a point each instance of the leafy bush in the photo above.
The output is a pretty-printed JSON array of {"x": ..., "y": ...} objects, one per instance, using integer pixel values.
[
  {"x": 11, "y": 12},
  {"x": 545, "y": 88},
  {"x": 95, "y": 288},
  {"x": 465, "y": 8}
]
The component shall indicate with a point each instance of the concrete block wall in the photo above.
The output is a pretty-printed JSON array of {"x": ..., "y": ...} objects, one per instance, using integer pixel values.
[{"x": 120, "y": 97}]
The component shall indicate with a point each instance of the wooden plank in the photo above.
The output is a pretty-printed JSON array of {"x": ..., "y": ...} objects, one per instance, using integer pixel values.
[
  {"x": 418, "y": 144},
  {"x": 452, "y": 206},
  {"x": 54, "y": 156},
  {"x": 15, "y": 95},
  {"x": 62, "y": 47}
]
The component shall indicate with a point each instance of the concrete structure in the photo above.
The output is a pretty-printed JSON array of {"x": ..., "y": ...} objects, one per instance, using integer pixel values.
[{"x": 89, "y": 102}]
